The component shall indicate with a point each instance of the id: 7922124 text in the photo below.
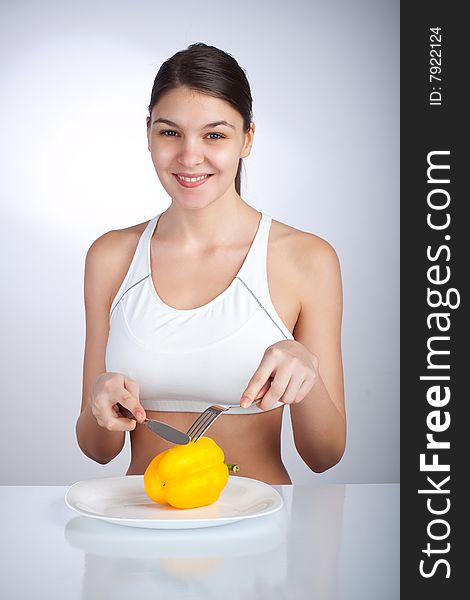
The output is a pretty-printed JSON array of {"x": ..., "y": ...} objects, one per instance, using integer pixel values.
[{"x": 435, "y": 66}]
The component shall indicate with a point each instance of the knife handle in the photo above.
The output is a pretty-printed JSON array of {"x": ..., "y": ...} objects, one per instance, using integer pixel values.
[{"x": 125, "y": 412}]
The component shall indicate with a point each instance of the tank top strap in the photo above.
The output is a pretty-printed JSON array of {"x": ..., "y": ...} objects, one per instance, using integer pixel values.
[
  {"x": 139, "y": 268},
  {"x": 253, "y": 276},
  {"x": 254, "y": 270}
]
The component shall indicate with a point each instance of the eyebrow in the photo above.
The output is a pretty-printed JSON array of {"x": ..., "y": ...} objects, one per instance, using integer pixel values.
[{"x": 209, "y": 125}]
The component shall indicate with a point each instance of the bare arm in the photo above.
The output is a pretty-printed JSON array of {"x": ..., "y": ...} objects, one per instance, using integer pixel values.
[
  {"x": 319, "y": 421},
  {"x": 102, "y": 441},
  {"x": 306, "y": 373}
]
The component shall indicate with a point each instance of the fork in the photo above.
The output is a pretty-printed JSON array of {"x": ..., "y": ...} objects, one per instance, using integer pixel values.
[{"x": 206, "y": 418}]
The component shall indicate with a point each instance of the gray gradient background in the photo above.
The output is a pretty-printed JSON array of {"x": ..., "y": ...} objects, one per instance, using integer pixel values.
[{"x": 74, "y": 164}]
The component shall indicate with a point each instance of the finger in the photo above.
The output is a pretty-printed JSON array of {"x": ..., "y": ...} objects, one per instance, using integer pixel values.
[
  {"x": 123, "y": 415},
  {"x": 293, "y": 388},
  {"x": 109, "y": 418},
  {"x": 121, "y": 424},
  {"x": 260, "y": 379},
  {"x": 305, "y": 388},
  {"x": 133, "y": 403},
  {"x": 264, "y": 389},
  {"x": 277, "y": 390}
]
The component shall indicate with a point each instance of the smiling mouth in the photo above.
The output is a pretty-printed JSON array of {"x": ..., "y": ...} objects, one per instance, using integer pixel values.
[
  {"x": 192, "y": 182},
  {"x": 193, "y": 179}
]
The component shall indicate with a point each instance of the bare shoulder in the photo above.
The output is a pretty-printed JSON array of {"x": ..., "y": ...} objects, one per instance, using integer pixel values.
[
  {"x": 108, "y": 260},
  {"x": 115, "y": 242},
  {"x": 307, "y": 267},
  {"x": 303, "y": 253}
]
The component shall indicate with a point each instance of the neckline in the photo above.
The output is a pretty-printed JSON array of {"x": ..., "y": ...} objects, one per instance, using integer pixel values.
[{"x": 263, "y": 219}]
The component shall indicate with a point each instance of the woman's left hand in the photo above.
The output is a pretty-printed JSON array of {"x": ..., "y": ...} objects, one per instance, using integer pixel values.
[{"x": 287, "y": 373}]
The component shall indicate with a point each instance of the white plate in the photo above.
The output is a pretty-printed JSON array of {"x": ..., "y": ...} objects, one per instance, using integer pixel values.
[{"x": 122, "y": 500}]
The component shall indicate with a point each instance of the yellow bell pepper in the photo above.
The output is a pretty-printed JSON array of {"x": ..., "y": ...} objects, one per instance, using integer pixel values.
[{"x": 188, "y": 476}]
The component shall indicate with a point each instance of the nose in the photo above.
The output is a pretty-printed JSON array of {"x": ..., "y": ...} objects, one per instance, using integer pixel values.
[{"x": 191, "y": 153}]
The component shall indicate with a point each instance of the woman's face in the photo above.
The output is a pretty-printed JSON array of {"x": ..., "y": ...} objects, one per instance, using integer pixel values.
[{"x": 193, "y": 135}]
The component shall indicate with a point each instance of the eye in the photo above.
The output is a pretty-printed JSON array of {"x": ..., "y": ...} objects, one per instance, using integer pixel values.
[
  {"x": 168, "y": 131},
  {"x": 216, "y": 138}
]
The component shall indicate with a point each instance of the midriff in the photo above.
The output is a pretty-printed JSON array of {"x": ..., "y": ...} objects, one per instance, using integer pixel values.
[{"x": 250, "y": 441}]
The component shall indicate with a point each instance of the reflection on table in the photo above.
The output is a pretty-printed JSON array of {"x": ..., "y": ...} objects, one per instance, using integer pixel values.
[{"x": 328, "y": 542}]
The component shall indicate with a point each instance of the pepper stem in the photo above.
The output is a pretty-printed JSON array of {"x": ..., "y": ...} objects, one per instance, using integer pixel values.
[{"x": 232, "y": 468}]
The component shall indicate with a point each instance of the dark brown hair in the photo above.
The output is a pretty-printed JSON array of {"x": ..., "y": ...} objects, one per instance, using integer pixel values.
[{"x": 211, "y": 71}]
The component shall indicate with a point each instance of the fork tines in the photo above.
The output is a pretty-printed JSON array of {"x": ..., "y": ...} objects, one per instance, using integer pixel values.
[{"x": 204, "y": 421}]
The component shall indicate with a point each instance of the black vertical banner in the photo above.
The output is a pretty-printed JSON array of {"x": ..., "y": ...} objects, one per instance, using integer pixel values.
[{"x": 434, "y": 291}]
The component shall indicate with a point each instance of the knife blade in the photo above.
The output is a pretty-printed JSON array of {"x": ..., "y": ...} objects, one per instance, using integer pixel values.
[{"x": 167, "y": 432}]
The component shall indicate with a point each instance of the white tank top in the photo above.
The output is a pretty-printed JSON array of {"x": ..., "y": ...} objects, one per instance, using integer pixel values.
[{"x": 187, "y": 359}]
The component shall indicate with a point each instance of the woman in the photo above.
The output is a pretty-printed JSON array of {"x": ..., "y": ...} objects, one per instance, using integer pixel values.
[{"x": 211, "y": 302}]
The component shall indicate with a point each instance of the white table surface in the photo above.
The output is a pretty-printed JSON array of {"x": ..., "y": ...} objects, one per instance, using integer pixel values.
[{"x": 328, "y": 542}]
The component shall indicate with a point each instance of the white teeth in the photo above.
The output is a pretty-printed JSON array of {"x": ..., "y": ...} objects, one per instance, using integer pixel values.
[{"x": 192, "y": 179}]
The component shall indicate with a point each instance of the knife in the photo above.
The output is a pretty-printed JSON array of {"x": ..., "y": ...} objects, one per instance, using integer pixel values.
[{"x": 167, "y": 432}]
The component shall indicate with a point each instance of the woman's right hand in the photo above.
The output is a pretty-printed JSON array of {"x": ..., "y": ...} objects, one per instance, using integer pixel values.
[{"x": 109, "y": 389}]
